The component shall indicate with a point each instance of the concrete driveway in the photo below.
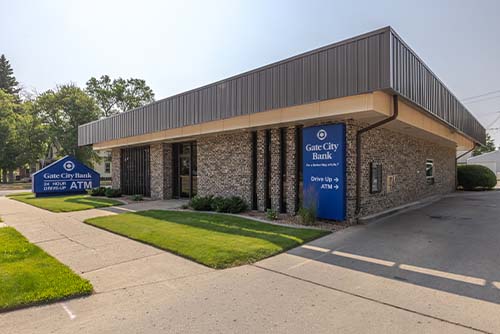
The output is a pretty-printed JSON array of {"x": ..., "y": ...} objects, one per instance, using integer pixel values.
[{"x": 432, "y": 270}]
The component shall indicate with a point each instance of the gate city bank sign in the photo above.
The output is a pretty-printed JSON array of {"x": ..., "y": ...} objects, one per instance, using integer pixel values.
[
  {"x": 66, "y": 175},
  {"x": 323, "y": 167}
]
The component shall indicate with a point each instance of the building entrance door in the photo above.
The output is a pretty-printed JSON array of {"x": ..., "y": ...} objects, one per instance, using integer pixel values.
[{"x": 185, "y": 175}]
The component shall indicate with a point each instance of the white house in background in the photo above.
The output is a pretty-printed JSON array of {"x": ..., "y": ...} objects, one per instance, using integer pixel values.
[
  {"x": 104, "y": 166},
  {"x": 490, "y": 160},
  {"x": 463, "y": 157}
]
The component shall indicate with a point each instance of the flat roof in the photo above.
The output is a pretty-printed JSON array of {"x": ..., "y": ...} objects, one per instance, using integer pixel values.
[{"x": 378, "y": 60}]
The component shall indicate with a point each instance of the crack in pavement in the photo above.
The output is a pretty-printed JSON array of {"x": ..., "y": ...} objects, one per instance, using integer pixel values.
[
  {"x": 372, "y": 299},
  {"x": 122, "y": 262}
]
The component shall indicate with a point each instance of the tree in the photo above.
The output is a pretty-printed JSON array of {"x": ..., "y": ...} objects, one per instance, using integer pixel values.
[
  {"x": 119, "y": 95},
  {"x": 7, "y": 133},
  {"x": 8, "y": 82},
  {"x": 63, "y": 110},
  {"x": 22, "y": 133},
  {"x": 489, "y": 147}
]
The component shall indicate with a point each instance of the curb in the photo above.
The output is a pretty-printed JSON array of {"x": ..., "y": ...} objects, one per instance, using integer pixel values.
[{"x": 400, "y": 209}]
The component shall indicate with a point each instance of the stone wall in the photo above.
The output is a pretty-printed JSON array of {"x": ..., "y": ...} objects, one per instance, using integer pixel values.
[
  {"x": 290, "y": 185},
  {"x": 403, "y": 159},
  {"x": 225, "y": 168},
  {"x": 157, "y": 170},
  {"x": 225, "y": 165},
  {"x": 116, "y": 168}
]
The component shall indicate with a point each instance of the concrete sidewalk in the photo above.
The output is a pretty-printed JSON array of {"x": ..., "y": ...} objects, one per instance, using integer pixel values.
[
  {"x": 402, "y": 274},
  {"x": 108, "y": 260}
]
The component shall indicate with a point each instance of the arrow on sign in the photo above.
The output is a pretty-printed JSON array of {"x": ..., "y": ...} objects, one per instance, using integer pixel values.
[
  {"x": 336, "y": 187},
  {"x": 336, "y": 179}
]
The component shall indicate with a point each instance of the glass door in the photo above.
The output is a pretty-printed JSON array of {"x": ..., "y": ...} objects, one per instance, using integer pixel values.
[{"x": 186, "y": 172}]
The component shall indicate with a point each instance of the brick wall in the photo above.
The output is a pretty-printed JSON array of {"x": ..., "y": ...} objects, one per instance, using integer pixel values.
[
  {"x": 225, "y": 168},
  {"x": 116, "y": 168},
  {"x": 403, "y": 157},
  {"x": 157, "y": 170},
  {"x": 225, "y": 165}
]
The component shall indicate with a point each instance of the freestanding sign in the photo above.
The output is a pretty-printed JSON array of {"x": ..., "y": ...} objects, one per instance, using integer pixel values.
[
  {"x": 65, "y": 176},
  {"x": 323, "y": 167}
]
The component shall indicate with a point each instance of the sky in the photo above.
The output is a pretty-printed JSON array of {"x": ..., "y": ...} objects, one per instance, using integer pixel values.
[{"x": 179, "y": 45}]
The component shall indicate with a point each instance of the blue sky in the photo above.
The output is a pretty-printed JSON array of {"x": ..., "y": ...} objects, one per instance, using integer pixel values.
[{"x": 179, "y": 45}]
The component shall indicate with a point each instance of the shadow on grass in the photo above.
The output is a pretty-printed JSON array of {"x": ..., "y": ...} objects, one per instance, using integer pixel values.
[{"x": 283, "y": 237}]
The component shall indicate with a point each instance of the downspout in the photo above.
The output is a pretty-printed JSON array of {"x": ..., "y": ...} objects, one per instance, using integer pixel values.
[
  {"x": 358, "y": 149},
  {"x": 456, "y": 163},
  {"x": 464, "y": 154}
]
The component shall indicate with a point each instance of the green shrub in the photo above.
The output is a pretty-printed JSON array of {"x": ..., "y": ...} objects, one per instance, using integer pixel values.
[
  {"x": 101, "y": 191},
  {"x": 113, "y": 192},
  {"x": 137, "y": 197},
  {"x": 271, "y": 214},
  {"x": 220, "y": 204},
  {"x": 233, "y": 204},
  {"x": 308, "y": 215},
  {"x": 236, "y": 204},
  {"x": 475, "y": 177},
  {"x": 201, "y": 203}
]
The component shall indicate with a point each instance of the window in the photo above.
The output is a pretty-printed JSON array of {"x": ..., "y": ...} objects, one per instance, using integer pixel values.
[
  {"x": 107, "y": 167},
  {"x": 375, "y": 177},
  {"x": 429, "y": 171}
]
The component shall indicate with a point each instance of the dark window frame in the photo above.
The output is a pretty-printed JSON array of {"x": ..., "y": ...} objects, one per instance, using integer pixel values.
[
  {"x": 430, "y": 178},
  {"x": 376, "y": 172}
]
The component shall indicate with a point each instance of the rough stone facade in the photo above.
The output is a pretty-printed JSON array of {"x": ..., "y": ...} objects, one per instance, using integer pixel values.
[
  {"x": 161, "y": 171},
  {"x": 116, "y": 168},
  {"x": 225, "y": 165},
  {"x": 275, "y": 177},
  {"x": 403, "y": 160},
  {"x": 290, "y": 185},
  {"x": 157, "y": 168},
  {"x": 225, "y": 168},
  {"x": 261, "y": 172}
]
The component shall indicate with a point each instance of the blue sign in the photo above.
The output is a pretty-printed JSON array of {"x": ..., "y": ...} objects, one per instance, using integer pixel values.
[
  {"x": 65, "y": 176},
  {"x": 323, "y": 167}
]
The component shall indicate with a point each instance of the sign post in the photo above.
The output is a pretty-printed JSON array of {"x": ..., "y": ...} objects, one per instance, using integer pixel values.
[
  {"x": 323, "y": 166},
  {"x": 65, "y": 176}
]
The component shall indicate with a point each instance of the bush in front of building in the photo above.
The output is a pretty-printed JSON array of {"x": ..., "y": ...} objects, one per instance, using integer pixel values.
[
  {"x": 201, "y": 203},
  {"x": 113, "y": 192},
  {"x": 101, "y": 191},
  {"x": 475, "y": 177},
  {"x": 137, "y": 197},
  {"x": 307, "y": 215},
  {"x": 233, "y": 204},
  {"x": 271, "y": 214}
]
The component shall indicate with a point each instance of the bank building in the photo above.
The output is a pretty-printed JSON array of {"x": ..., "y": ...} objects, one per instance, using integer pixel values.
[{"x": 363, "y": 123}]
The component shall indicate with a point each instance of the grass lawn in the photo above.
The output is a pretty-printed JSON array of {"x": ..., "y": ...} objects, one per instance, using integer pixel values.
[
  {"x": 215, "y": 240},
  {"x": 64, "y": 203},
  {"x": 30, "y": 276}
]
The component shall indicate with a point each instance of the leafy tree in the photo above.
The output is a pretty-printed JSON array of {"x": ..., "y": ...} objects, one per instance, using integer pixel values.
[
  {"x": 8, "y": 149},
  {"x": 31, "y": 135},
  {"x": 119, "y": 95},
  {"x": 8, "y": 82},
  {"x": 489, "y": 147},
  {"x": 22, "y": 133},
  {"x": 63, "y": 110}
]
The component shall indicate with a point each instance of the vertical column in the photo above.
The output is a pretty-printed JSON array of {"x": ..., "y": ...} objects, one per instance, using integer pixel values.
[
  {"x": 116, "y": 168},
  {"x": 167, "y": 171},
  {"x": 157, "y": 171},
  {"x": 291, "y": 173},
  {"x": 276, "y": 174},
  {"x": 261, "y": 170}
]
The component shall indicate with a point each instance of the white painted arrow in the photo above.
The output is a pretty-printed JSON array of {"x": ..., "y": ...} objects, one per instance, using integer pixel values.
[
  {"x": 336, "y": 187},
  {"x": 336, "y": 179}
]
